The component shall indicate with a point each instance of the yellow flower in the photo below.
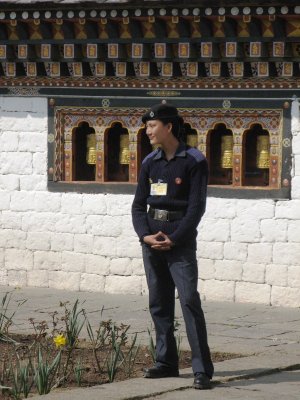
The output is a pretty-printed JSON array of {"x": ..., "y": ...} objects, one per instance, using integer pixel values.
[{"x": 60, "y": 341}]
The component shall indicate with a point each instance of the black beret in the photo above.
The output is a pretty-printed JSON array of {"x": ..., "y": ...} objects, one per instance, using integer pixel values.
[{"x": 162, "y": 111}]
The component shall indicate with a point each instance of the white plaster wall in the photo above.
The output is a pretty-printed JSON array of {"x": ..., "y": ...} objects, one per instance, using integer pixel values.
[{"x": 248, "y": 250}]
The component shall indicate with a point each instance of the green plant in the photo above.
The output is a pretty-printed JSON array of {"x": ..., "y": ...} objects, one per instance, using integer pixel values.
[
  {"x": 151, "y": 346},
  {"x": 178, "y": 345},
  {"x": 97, "y": 338},
  {"x": 5, "y": 377},
  {"x": 131, "y": 356},
  {"x": 78, "y": 372},
  {"x": 22, "y": 381},
  {"x": 6, "y": 318},
  {"x": 73, "y": 323},
  {"x": 54, "y": 321},
  {"x": 5, "y": 389},
  {"x": 108, "y": 335},
  {"x": 119, "y": 333},
  {"x": 40, "y": 330},
  {"x": 5, "y": 373},
  {"x": 118, "y": 338},
  {"x": 26, "y": 373},
  {"x": 114, "y": 361},
  {"x": 178, "y": 337},
  {"x": 45, "y": 373},
  {"x": 16, "y": 386}
]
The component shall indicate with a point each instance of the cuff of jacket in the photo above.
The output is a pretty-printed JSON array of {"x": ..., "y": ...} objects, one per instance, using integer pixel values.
[
  {"x": 173, "y": 238},
  {"x": 142, "y": 237}
]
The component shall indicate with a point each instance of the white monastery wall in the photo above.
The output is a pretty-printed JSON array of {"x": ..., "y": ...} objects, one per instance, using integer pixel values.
[{"x": 248, "y": 250}]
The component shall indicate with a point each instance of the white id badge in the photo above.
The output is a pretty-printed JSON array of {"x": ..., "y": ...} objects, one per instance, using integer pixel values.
[{"x": 159, "y": 189}]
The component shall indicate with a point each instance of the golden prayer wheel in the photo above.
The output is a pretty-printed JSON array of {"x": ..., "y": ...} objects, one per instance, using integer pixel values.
[
  {"x": 263, "y": 152},
  {"x": 124, "y": 156},
  {"x": 226, "y": 151},
  {"x": 192, "y": 140},
  {"x": 91, "y": 149}
]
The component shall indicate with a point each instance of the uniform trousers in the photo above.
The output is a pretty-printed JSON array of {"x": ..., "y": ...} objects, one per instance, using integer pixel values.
[{"x": 166, "y": 270}]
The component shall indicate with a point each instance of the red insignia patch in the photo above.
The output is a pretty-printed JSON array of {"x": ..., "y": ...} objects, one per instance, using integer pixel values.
[{"x": 178, "y": 181}]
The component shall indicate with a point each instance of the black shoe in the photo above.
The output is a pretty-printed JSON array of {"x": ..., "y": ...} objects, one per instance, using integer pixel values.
[
  {"x": 160, "y": 372},
  {"x": 201, "y": 381}
]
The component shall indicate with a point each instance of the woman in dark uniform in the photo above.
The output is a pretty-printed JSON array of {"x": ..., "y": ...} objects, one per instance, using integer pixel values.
[{"x": 168, "y": 205}]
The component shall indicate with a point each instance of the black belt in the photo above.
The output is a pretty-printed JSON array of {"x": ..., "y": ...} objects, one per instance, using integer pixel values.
[{"x": 165, "y": 215}]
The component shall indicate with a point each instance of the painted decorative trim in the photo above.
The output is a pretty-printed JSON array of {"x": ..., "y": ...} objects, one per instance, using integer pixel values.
[
  {"x": 177, "y": 83},
  {"x": 23, "y": 91}
]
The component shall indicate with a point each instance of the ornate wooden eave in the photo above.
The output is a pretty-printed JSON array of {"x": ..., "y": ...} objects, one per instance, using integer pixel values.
[{"x": 174, "y": 45}]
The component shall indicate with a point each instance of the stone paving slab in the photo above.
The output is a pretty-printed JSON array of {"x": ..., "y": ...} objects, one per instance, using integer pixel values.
[
  {"x": 284, "y": 385},
  {"x": 227, "y": 323}
]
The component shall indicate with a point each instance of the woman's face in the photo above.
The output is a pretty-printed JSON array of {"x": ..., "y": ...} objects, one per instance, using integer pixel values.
[{"x": 158, "y": 132}]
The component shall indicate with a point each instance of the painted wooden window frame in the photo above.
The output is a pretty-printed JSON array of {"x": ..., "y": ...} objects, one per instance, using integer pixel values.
[{"x": 64, "y": 116}]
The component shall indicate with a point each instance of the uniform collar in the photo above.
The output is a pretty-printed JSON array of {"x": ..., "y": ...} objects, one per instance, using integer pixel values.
[{"x": 180, "y": 151}]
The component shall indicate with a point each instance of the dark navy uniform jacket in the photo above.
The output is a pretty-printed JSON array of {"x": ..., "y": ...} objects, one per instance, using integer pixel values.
[{"x": 186, "y": 176}]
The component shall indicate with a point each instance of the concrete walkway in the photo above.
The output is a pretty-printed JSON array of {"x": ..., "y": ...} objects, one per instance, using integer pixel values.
[{"x": 268, "y": 338}]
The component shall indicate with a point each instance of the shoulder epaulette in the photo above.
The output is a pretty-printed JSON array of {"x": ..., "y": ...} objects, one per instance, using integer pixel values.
[
  {"x": 152, "y": 154},
  {"x": 196, "y": 154}
]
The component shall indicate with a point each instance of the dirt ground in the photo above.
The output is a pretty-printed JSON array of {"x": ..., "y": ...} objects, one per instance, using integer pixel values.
[{"x": 82, "y": 357}]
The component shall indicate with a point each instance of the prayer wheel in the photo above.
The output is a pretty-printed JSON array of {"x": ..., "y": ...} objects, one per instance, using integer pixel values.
[
  {"x": 263, "y": 152},
  {"x": 226, "y": 151},
  {"x": 91, "y": 149},
  {"x": 124, "y": 156},
  {"x": 192, "y": 140}
]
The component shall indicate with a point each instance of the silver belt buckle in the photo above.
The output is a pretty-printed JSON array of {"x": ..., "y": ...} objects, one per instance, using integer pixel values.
[{"x": 161, "y": 215}]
